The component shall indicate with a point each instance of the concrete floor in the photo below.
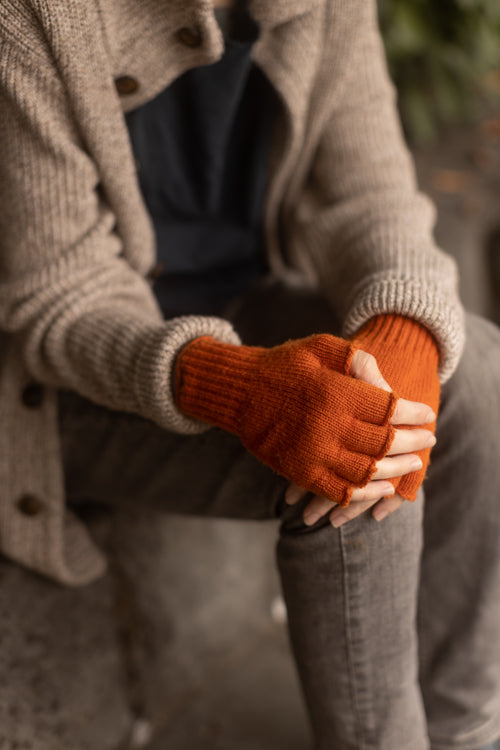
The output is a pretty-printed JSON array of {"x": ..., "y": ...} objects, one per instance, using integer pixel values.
[{"x": 182, "y": 646}]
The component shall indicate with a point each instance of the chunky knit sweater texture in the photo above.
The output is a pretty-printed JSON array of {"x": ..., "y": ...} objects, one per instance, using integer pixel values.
[{"x": 76, "y": 242}]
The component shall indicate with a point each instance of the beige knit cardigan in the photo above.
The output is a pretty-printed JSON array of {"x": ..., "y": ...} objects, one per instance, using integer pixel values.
[{"x": 76, "y": 242}]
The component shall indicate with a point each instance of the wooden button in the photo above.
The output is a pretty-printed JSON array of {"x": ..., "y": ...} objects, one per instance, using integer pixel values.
[
  {"x": 33, "y": 395},
  {"x": 126, "y": 85},
  {"x": 30, "y": 505},
  {"x": 189, "y": 37},
  {"x": 156, "y": 271}
]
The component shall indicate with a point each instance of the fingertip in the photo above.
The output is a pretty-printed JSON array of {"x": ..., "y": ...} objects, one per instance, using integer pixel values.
[
  {"x": 412, "y": 413},
  {"x": 379, "y": 514},
  {"x": 294, "y": 493}
]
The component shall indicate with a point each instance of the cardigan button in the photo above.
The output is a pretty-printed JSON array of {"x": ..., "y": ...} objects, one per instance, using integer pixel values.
[
  {"x": 189, "y": 37},
  {"x": 33, "y": 395},
  {"x": 156, "y": 272},
  {"x": 30, "y": 505},
  {"x": 126, "y": 85}
]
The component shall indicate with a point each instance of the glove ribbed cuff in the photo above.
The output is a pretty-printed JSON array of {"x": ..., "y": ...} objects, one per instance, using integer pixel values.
[{"x": 210, "y": 377}]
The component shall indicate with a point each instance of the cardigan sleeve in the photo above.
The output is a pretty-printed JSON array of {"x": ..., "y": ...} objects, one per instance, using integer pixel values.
[
  {"x": 365, "y": 227},
  {"x": 84, "y": 319}
]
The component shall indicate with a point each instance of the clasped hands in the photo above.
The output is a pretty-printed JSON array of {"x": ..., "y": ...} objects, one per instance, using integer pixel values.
[{"x": 317, "y": 411}]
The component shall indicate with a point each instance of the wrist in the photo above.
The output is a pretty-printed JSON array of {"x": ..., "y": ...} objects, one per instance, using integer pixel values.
[
  {"x": 406, "y": 353},
  {"x": 408, "y": 357},
  {"x": 210, "y": 380}
]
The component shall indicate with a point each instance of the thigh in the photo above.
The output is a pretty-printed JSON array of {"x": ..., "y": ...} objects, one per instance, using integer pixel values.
[
  {"x": 122, "y": 459},
  {"x": 115, "y": 457},
  {"x": 464, "y": 463},
  {"x": 459, "y": 609}
]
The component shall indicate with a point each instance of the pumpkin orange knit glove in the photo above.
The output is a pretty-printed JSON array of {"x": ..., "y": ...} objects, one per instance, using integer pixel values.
[
  {"x": 293, "y": 406},
  {"x": 408, "y": 357}
]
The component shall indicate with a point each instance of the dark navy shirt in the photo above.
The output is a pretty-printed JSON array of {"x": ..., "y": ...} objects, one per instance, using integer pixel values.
[{"x": 202, "y": 147}]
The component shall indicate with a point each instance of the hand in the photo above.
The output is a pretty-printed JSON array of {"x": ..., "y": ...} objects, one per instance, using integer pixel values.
[
  {"x": 295, "y": 406},
  {"x": 399, "y": 460}
]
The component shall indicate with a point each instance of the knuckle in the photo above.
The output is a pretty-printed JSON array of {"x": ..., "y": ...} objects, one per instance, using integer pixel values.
[
  {"x": 365, "y": 494},
  {"x": 370, "y": 360},
  {"x": 366, "y": 363},
  {"x": 399, "y": 412}
]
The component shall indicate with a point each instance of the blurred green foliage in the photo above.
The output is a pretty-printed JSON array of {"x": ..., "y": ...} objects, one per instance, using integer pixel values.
[{"x": 440, "y": 52}]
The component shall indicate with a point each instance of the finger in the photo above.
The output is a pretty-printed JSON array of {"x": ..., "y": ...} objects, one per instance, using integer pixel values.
[
  {"x": 409, "y": 441},
  {"x": 294, "y": 493},
  {"x": 397, "y": 466},
  {"x": 316, "y": 509},
  {"x": 371, "y": 492},
  {"x": 387, "y": 506},
  {"x": 412, "y": 412},
  {"x": 367, "y": 495},
  {"x": 340, "y": 516},
  {"x": 364, "y": 367}
]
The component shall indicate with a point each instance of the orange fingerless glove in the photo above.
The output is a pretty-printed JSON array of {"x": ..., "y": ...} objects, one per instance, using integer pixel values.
[
  {"x": 293, "y": 406},
  {"x": 408, "y": 358}
]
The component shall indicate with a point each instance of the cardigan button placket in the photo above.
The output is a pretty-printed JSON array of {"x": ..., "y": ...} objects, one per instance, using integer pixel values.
[
  {"x": 30, "y": 505},
  {"x": 189, "y": 37},
  {"x": 126, "y": 85}
]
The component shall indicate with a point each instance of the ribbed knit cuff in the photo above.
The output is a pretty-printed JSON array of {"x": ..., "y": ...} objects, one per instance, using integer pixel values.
[
  {"x": 211, "y": 377},
  {"x": 438, "y": 311},
  {"x": 155, "y": 368}
]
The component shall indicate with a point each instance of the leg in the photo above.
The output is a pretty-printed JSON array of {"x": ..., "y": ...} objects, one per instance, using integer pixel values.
[
  {"x": 351, "y": 596},
  {"x": 365, "y": 694},
  {"x": 459, "y": 609}
]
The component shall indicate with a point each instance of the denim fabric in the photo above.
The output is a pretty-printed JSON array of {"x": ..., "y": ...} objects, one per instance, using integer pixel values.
[{"x": 395, "y": 627}]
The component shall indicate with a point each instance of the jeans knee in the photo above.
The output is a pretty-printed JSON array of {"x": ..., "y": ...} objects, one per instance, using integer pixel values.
[{"x": 400, "y": 526}]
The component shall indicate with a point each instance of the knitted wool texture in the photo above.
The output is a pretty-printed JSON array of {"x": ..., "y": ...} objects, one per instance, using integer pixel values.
[
  {"x": 407, "y": 356},
  {"x": 293, "y": 406}
]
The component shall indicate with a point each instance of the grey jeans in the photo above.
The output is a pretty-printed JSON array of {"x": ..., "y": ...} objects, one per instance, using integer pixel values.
[{"x": 395, "y": 627}]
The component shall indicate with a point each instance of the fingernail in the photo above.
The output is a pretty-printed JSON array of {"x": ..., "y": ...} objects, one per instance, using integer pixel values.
[
  {"x": 379, "y": 514},
  {"x": 338, "y": 520},
  {"x": 431, "y": 417},
  {"x": 388, "y": 489},
  {"x": 310, "y": 517},
  {"x": 430, "y": 442},
  {"x": 416, "y": 464}
]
